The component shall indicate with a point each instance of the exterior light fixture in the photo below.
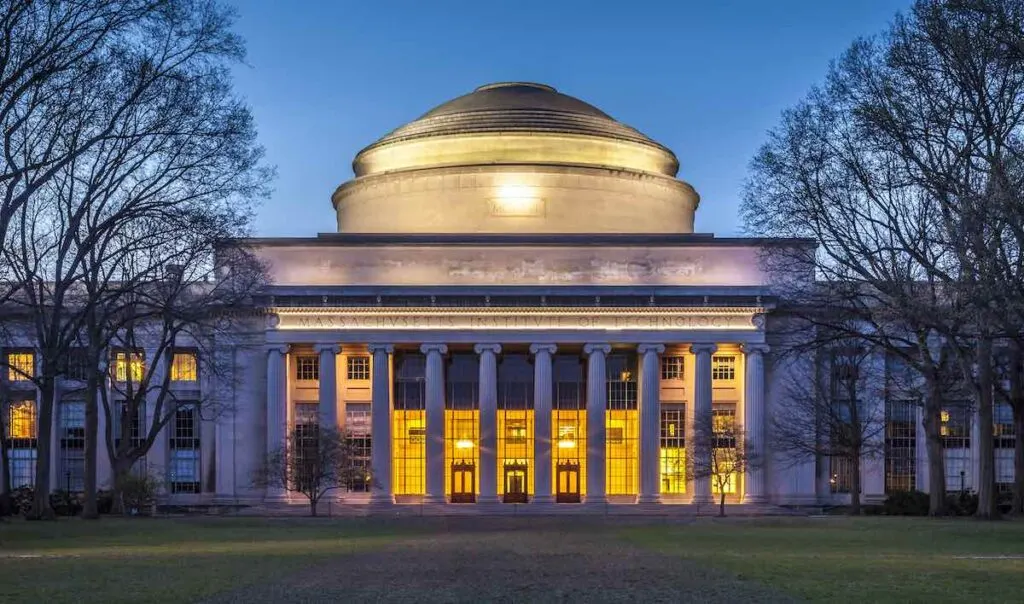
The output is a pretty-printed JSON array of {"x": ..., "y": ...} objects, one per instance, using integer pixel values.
[
  {"x": 566, "y": 444},
  {"x": 517, "y": 200},
  {"x": 464, "y": 444}
]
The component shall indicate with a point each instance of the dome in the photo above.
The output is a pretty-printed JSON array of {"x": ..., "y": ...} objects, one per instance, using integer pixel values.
[
  {"x": 515, "y": 157},
  {"x": 509, "y": 108}
]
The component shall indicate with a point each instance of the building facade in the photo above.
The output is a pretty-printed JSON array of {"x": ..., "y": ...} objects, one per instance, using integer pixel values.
[{"x": 514, "y": 311}]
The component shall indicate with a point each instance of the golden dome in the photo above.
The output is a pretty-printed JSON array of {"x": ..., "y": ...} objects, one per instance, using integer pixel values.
[{"x": 515, "y": 123}]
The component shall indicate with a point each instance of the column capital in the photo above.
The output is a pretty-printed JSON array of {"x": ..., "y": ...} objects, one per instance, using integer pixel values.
[
  {"x": 589, "y": 349},
  {"x": 548, "y": 348},
  {"x": 433, "y": 347},
  {"x": 703, "y": 348},
  {"x": 332, "y": 348},
  {"x": 756, "y": 348},
  {"x": 282, "y": 348},
  {"x": 655, "y": 348},
  {"x": 385, "y": 348},
  {"x": 481, "y": 348}
]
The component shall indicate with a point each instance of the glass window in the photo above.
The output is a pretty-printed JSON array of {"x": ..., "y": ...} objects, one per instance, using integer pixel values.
[
  {"x": 357, "y": 431},
  {"x": 673, "y": 449},
  {"x": 185, "y": 446},
  {"x": 72, "y": 446},
  {"x": 723, "y": 368},
  {"x": 672, "y": 368},
  {"x": 185, "y": 367},
  {"x": 22, "y": 467},
  {"x": 408, "y": 445},
  {"x": 622, "y": 432},
  {"x": 20, "y": 366},
  {"x": 307, "y": 367},
  {"x": 723, "y": 422},
  {"x": 358, "y": 368},
  {"x": 21, "y": 420},
  {"x": 1002, "y": 429},
  {"x": 78, "y": 364},
  {"x": 900, "y": 445},
  {"x": 129, "y": 366}
]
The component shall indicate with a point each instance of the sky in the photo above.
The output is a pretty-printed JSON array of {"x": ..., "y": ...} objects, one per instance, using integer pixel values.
[{"x": 708, "y": 79}]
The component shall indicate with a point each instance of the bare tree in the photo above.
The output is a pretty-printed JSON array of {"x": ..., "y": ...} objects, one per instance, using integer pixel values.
[
  {"x": 127, "y": 132},
  {"x": 314, "y": 461},
  {"x": 720, "y": 453},
  {"x": 897, "y": 168},
  {"x": 832, "y": 407}
]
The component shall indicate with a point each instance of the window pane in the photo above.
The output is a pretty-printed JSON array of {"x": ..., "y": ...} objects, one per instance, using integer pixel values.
[
  {"x": 20, "y": 366},
  {"x": 184, "y": 367},
  {"x": 358, "y": 368}
]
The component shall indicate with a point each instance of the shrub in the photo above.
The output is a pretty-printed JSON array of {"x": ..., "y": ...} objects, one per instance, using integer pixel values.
[
  {"x": 22, "y": 498},
  {"x": 906, "y": 503},
  {"x": 1004, "y": 502},
  {"x": 65, "y": 503},
  {"x": 138, "y": 494},
  {"x": 104, "y": 501},
  {"x": 6, "y": 505},
  {"x": 962, "y": 504}
]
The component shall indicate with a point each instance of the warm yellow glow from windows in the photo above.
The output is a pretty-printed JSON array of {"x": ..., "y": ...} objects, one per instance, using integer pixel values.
[
  {"x": 723, "y": 423},
  {"x": 184, "y": 367},
  {"x": 622, "y": 452},
  {"x": 128, "y": 365},
  {"x": 22, "y": 420},
  {"x": 570, "y": 426},
  {"x": 673, "y": 470},
  {"x": 944, "y": 416},
  {"x": 724, "y": 474},
  {"x": 515, "y": 448},
  {"x": 461, "y": 428},
  {"x": 408, "y": 452},
  {"x": 20, "y": 366}
]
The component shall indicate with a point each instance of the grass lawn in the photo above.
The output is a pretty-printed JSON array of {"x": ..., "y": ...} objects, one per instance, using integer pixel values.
[{"x": 512, "y": 559}]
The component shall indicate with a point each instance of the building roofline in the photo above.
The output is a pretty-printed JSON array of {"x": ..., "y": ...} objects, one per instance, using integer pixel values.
[{"x": 521, "y": 240}]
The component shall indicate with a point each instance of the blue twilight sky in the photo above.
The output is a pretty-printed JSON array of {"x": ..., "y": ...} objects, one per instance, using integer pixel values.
[{"x": 328, "y": 77}]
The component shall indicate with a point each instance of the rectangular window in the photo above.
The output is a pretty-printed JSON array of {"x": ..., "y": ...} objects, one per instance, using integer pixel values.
[
  {"x": 307, "y": 368},
  {"x": 185, "y": 450},
  {"x": 673, "y": 449},
  {"x": 723, "y": 368},
  {"x": 184, "y": 367},
  {"x": 955, "y": 428},
  {"x": 23, "y": 467},
  {"x": 72, "y": 446},
  {"x": 132, "y": 416},
  {"x": 357, "y": 431},
  {"x": 78, "y": 364},
  {"x": 723, "y": 423},
  {"x": 129, "y": 366},
  {"x": 622, "y": 427},
  {"x": 358, "y": 368},
  {"x": 900, "y": 446},
  {"x": 306, "y": 441},
  {"x": 672, "y": 368},
  {"x": 1002, "y": 429},
  {"x": 21, "y": 420},
  {"x": 20, "y": 366}
]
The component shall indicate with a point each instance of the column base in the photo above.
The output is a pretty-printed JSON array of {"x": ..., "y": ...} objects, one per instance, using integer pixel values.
[
  {"x": 754, "y": 499},
  {"x": 649, "y": 499}
]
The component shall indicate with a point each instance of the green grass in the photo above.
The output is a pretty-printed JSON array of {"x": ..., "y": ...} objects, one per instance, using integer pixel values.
[
  {"x": 143, "y": 560},
  {"x": 858, "y": 560},
  {"x": 827, "y": 559}
]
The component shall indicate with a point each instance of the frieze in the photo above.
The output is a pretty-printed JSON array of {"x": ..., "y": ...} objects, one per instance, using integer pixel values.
[{"x": 515, "y": 319}]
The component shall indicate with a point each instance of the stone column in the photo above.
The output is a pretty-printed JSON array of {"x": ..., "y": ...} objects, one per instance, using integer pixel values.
[
  {"x": 702, "y": 394},
  {"x": 277, "y": 409},
  {"x": 488, "y": 421},
  {"x": 597, "y": 405},
  {"x": 328, "y": 384},
  {"x": 380, "y": 425},
  {"x": 435, "y": 396},
  {"x": 542, "y": 441},
  {"x": 650, "y": 422},
  {"x": 753, "y": 418}
]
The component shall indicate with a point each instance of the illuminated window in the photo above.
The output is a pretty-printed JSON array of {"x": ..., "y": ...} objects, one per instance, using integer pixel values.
[
  {"x": 357, "y": 431},
  {"x": 307, "y": 368},
  {"x": 673, "y": 449},
  {"x": 955, "y": 430},
  {"x": 515, "y": 428},
  {"x": 184, "y": 367},
  {"x": 306, "y": 443},
  {"x": 461, "y": 428},
  {"x": 358, "y": 368},
  {"x": 840, "y": 475},
  {"x": 72, "y": 446},
  {"x": 724, "y": 451},
  {"x": 185, "y": 450},
  {"x": 21, "y": 420},
  {"x": 723, "y": 368},
  {"x": 622, "y": 430},
  {"x": 409, "y": 425},
  {"x": 20, "y": 366},
  {"x": 129, "y": 366},
  {"x": 672, "y": 368},
  {"x": 900, "y": 446},
  {"x": 569, "y": 429}
]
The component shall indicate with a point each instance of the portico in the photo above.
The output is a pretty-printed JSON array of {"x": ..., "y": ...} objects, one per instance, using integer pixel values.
[{"x": 478, "y": 414}]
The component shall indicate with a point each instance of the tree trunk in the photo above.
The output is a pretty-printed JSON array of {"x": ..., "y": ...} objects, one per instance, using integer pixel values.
[
  {"x": 933, "y": 445},
  {"x": 90, "y": 509},
  {"x": 986, "y": 441},
  {"x": 855, "y": 482},
  {"x": 721, "y": 504},
  {"x": 312, "y": 506},
  {"x": 121, "y": 470},
  {"x": 41, "y": 509}
]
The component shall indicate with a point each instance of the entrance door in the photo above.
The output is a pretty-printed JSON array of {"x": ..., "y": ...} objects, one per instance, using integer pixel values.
[
  {"x": 515, "y": 482},
  {"x": 463, "y": 482},
  {"x": 568, "y": 481}
]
